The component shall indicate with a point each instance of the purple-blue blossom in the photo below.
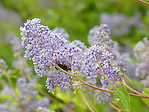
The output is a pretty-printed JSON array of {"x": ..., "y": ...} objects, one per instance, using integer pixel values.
[
  {"x": 100, "y": 34},
  {"x": 97, "y": 57},
  {"x": 119, "y": 24},
  {"x": 28, "y": 95},
  {"x": 141, "y": 52},
  {"x": 3, "y": 66},
  {"x": 48, "y": 49},
  {"x": 62, "y": 32}
]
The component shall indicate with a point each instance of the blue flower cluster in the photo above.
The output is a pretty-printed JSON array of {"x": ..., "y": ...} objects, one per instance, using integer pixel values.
[
  {"x": 141, "y": 52},
  {"x": 50, "y": 48},
  {"x": 27, "y": 98}
]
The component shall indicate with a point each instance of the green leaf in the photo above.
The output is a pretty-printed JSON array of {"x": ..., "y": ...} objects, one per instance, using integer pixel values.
[
  {"x": 7, "y": 96},
  {"x": 146, "y": 100},
  {"x": 78, "y": 101},
  {"x": 63, "y": 96},
  {"x": 87, "y": 102},
  {"x": 17, "y": 91},
  {"x": 124, "y": 98},
  {"x": 39, "y": 97},
  {"x": 55, "y": 106}
]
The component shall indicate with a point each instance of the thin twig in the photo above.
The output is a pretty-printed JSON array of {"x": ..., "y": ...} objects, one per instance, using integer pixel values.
[
  {"x": 142, "y": 96},
  {"x": 132, "y": 89},
  {"x": 94, "y": 87},
  {"x": 143, "y": 2},
  {"x": 55, "y": 99},
  {"x": 105, "y": 76},
  {"x": 85, "y": 100}
]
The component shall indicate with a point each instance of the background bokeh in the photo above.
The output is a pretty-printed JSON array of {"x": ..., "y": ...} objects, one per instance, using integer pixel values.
[
  {"x": 75, "y": 16},
  {"x": 128, "y": 20}
]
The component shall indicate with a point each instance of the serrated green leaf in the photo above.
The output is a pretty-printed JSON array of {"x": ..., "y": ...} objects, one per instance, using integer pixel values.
[
  {"x": 146, "y": 100},
  {"x": 124, "y": 98}
]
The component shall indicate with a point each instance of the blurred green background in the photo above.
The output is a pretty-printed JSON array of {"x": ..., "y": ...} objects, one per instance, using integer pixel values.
[{"x": 75, "y": 16}]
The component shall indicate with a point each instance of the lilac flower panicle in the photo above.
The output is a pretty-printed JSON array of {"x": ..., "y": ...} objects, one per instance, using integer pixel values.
[
  {"x": 16, "y": 46},
  {"x": 7, "y": 90},
  {"x": 104, "y": 32},
  {"x": 79, "y": 44},
  {"x": 95, "y": 56},
  {"x": 58, "y": 79},
  {"x": 40, "y": 44},
  {"x": 49, "y": 48},
  {"x": 11, "y": 17},
  {"x": 102, "y": 98},
  {"x": 22, "y": 62},
  {"x": 33, "y": 35},
  {"x": 98, "y": 35},
  {"x": 7, "y": 105},
  {"x": 62, "y": 32},
  {"x": 3, "y": 66},
  {"x": 46, "y": 49},
  {"x": 119, "y": 24},
  {"x": 92, "y": 36},
  {"x": 141, "y": 52},
  {"x": 145, "y": 81},
  {"x": 90, "y": 58},
  {"x": 42, "y": 109},
  {"x": 27, "y": 90}
]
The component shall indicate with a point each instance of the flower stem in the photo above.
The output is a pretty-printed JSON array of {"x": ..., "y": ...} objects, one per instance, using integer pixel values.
[
  {"x": 94, "y": 87},
  {"x": 55, "y": 99},
  {"x": 11, "y": 84},
  {"x": 132, "y": 89},
  {"x": 142, "y": 96},
  {"x": 9, "y": 80},
  {"x": 143, "y": 2},
  {"x": 109, "y": 101},
  {"x": 85, "y": 100},
  {"x": 106, "y": 77}
]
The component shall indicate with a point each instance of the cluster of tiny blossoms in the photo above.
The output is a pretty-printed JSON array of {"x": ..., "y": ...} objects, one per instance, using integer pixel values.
[
  {"x": 19, "y": 62},
  {"x": 49, "y": 50},
  {"x": 100, "y": 34},
  {"x": 119, "y": 24},
  {"x": 141, "y": 52},
  {"x": 27, "y": 99},
  {"x": 3, "y": 66}
]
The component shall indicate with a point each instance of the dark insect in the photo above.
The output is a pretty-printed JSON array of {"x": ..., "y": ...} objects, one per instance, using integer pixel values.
[{"x": 64, "y": 67}]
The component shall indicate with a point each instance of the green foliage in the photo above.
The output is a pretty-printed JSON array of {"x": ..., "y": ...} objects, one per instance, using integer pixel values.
[
  {"x": 124, "y": 98},
  {"x": 56, "y": 106},
  {"x": 146, "y": 100},
  {"x": 137, "y": 104},
  {"x": 79, "y": 101},
  {"x": 7, "y": 96}
]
